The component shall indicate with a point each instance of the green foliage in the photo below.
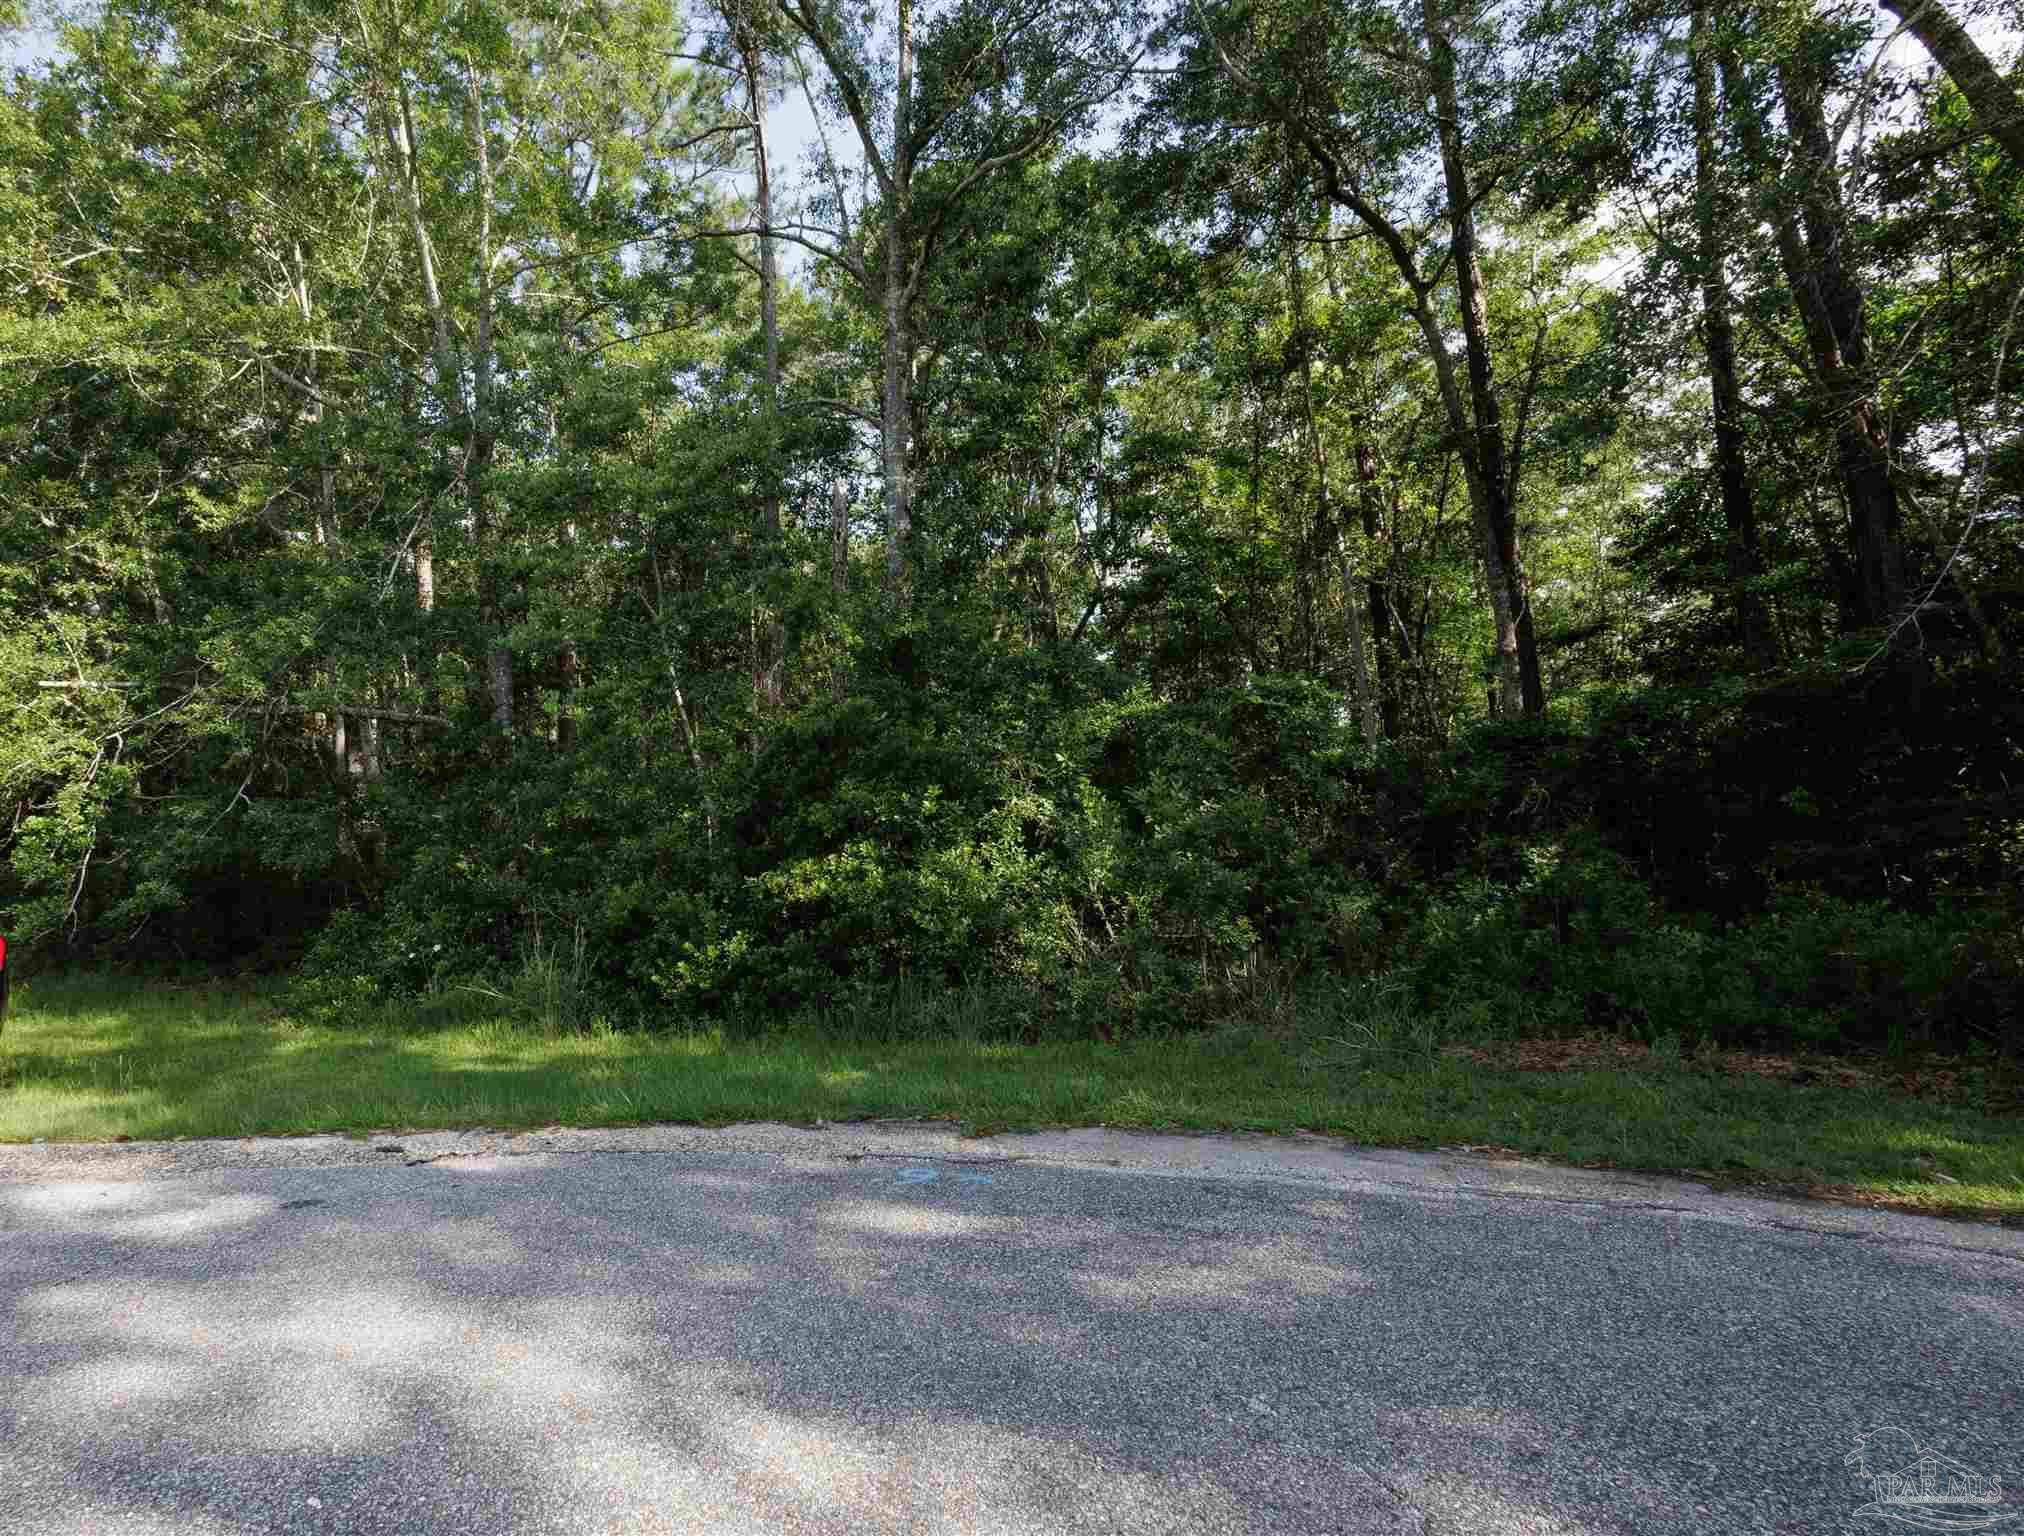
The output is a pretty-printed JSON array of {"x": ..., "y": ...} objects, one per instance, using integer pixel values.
[
  {"x": 1581, "y": 944},
  {"x": 968, "y": 817},
  {"x": 407, "y": 559},
  {"x": 1750, "y": 863}
]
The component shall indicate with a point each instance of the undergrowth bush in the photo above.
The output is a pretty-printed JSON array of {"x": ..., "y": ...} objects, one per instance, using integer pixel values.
[
  {"x": 965, "y": 820},
  {"x": 1066, "y": 854},
  {"x": 1581, "y": 943}
]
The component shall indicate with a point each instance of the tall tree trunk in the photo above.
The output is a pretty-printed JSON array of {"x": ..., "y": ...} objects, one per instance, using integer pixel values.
[
  {"x": 771, "y": 638},
  {"x": 1517, "y": 645},
  {"x": 397, "y": 124},
  {"x": 1363, "y": 694},
  {"x": 769, "y": 300},
  {"x": 369, "y": 742},
  {"x": 326, "y": 510},
  {"x": 1369, "y": 502},
  {"x": 483, "y": 429},
  {"x": 418, "y": 671},
  {"x": 1359, "y": 657},
  {"x": 1503, "y": 617},
  {"x": 1344, "y": 192},
  {"x": 1739, "y": 512},
  {"x": 1872, "y": 581},
  {"x": 895, "y": 422},
  {"x": 839, "y": 573},
  {"x": 1994, "y": 101},
  {"x": 1862, "y": 445},
  {"x": 1027, "y": 564},
  {"x": 571, "y": 666},
  {"x": 565, "y": 712},
  {"x": 897, "y": 407},
  {"x": 340, "y": 756},
  {"x": 906, "y": 248},
  {"x": 1741, "y": 102},
  {"x": 1369, "y": 507},
  {"x": 839, "y": 536},
  {"x": 422, "y": 548},
  {"x": 1307, "y": 546},
  {"x": 691, "y": 741}
]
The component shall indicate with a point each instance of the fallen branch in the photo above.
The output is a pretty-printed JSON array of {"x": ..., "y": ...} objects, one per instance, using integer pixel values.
[
  {"x": 369, "y": 711},
  {"x": 365, "y": 711}
]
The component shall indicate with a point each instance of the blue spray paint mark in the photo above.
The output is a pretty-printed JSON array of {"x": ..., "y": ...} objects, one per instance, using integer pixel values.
[{"x": 930, "y": 1175}]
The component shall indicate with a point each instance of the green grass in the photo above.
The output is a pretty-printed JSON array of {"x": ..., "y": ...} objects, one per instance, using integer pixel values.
[{"x": 97, "y": 1057}]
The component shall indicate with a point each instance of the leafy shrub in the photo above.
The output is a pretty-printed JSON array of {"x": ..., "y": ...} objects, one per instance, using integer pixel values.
[
  {"x": 1890, "y": 784},
  {"x": 1581, "y": 943},
  {"x": 966, "y": 819},
  {"x": 974, "y": 821}
]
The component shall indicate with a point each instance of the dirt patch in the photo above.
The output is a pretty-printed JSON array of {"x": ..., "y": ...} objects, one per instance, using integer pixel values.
[
  {"x": 1581, "y": 1053},
  {"x": 1884, "y": 1200},
  {"x": 1938, "y": 1081}
]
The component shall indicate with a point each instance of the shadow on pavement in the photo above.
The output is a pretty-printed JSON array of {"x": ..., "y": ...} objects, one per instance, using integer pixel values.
[{"x": 636, "y": 1344}]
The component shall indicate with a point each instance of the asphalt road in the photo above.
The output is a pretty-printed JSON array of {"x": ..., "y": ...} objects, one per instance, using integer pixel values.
[{"x": 873, "y": 1330}]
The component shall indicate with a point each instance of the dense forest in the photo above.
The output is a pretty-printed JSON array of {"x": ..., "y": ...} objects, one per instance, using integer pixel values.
[{"x": 1138, "y": 513}]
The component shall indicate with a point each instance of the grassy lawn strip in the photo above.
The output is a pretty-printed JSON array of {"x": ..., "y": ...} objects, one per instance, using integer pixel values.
[{"x": 96, "y": 1058}]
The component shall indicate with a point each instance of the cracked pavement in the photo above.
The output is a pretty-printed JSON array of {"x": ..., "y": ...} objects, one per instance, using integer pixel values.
[{"x": 887, "y": 1328}]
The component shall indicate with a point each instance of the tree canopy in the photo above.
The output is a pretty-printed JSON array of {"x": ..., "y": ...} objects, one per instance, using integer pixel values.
[{"x": 1153, "y": 495}]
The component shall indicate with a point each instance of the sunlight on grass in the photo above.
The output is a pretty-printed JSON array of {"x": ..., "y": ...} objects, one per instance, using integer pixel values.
[
  {"x": 95, "y": 1057},
  {"x": 1139, "y": 1104}
]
